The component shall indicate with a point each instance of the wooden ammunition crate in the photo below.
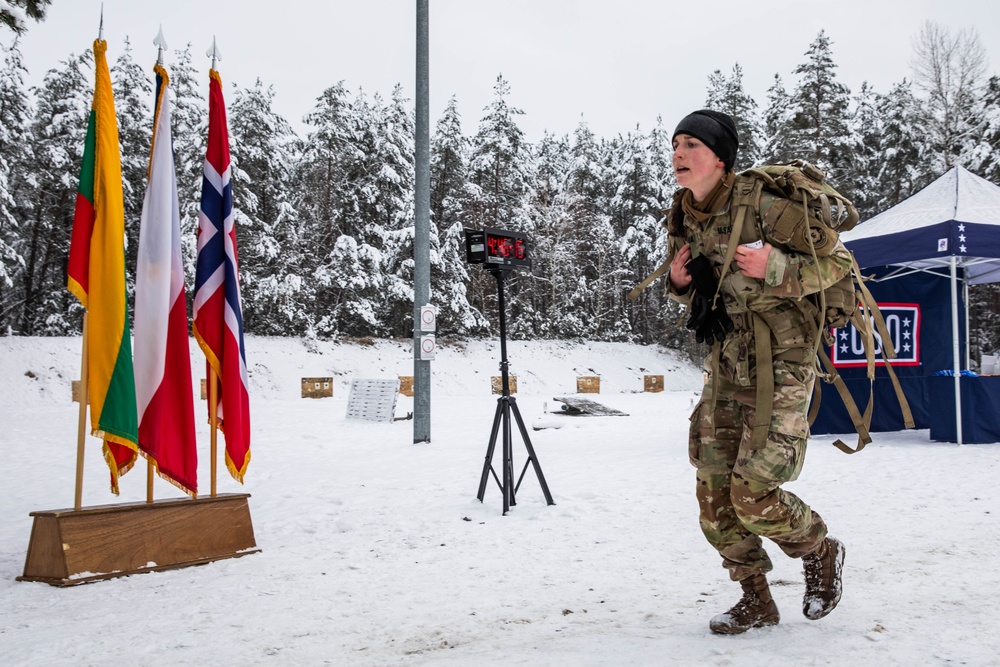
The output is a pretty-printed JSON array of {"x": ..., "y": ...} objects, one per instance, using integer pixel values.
[
  {"x": 496, "y": 382},
  {"x": 652, "y": 383},
  {"x": 317, "y": 387}
]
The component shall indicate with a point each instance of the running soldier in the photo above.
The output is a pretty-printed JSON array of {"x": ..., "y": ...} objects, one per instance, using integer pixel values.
[{"x": 749, "y": 431}]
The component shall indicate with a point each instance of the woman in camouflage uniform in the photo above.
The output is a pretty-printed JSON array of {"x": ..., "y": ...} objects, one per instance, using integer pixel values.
[{"x": 749, "y": 430}]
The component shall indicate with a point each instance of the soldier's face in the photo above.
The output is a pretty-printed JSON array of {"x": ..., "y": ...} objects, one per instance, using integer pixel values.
[{"x": 696, "y": 166}]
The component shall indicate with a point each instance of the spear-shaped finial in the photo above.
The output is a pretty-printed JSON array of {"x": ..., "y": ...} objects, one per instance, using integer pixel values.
[
  {"x": 161, "y": 46},
  {"x": 100, "y": 29},
  {"x": 214, "y": 53}
]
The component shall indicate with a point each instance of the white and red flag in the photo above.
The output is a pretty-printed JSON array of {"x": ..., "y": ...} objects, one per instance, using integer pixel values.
[
  {"x": 218, "y": 315},
  {"x": 164, "y": 395}
]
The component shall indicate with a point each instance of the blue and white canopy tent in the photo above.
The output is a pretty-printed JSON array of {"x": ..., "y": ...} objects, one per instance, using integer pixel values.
[{"x": 950, "y": 228}]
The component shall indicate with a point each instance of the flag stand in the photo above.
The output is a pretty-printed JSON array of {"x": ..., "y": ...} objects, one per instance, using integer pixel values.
[
  {"x": 70, "y": 547},
  {"x": 81, "y": 435},
  {"x": 86, "y": 544}
]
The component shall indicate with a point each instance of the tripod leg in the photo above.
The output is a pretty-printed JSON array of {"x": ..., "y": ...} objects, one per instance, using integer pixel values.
[
  {"x": 489, "y": 450},
  {"x": 531, "y": 453},
  {"x": 508, "y": 463}
]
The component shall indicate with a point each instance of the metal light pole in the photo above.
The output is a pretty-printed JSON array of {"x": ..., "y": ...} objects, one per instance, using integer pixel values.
[{"x": 421, "y": 241}]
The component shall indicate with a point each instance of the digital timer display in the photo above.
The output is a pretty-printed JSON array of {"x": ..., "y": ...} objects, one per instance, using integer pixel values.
[
  {"x": 497, "y": 248},
  {"x": 505, "y": 247}
]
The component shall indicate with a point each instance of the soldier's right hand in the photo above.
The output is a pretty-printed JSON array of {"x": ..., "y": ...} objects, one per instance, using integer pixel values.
[{"x": 679, "y": 276}]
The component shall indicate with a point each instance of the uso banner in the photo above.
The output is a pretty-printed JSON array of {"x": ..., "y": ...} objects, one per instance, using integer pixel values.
[{"x": 903, "y": 323}]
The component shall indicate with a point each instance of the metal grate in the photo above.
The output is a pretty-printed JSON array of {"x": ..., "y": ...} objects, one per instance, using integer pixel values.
[{"x": 373, "y": 400}]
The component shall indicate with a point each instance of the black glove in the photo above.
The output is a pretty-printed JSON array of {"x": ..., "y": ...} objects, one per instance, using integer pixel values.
[
  {"x": 698, "y": 311},
  {"x": 715, "y": 326},
  {"x": 709, "y": 321},
  {"x": 704, "y": 285},
  {"x": 702, "y": 275}
]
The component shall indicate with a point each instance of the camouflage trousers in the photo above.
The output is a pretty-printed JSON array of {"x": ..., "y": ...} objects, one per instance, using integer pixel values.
[{"x": 738, "y": 487}]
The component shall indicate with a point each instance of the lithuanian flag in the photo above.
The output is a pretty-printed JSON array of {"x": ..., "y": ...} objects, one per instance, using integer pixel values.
[{"x": 97, "y": 278}]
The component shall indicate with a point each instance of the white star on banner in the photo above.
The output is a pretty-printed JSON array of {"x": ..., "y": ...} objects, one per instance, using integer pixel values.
[
  {"x": 961, "y": 248},
  {"x": 906, "y": 347},
  {"x": 961, "y": 228},
  {"x": 843, "y": 349},
  {"x": 906, "y": 321}
]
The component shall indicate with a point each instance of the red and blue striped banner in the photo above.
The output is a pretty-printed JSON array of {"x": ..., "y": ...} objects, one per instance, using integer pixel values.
[{"x": 218, "y": 315}]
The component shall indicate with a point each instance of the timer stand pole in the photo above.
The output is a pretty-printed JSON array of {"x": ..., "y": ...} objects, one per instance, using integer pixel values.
[{"x": 507, "y": 405}]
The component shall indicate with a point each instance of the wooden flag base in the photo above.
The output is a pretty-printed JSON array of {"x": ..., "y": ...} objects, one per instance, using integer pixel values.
[{"x": 70, "y": 547}]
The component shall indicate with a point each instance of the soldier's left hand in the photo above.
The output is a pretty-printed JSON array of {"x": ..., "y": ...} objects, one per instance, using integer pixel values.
[{"x": 752, "y": 262}]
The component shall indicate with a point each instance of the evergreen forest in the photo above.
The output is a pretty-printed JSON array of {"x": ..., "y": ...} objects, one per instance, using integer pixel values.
[{"x": 325, "y": 221}]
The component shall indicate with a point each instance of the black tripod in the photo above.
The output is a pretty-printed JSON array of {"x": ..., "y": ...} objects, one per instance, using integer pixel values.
[{"x": 506, "y": 405}]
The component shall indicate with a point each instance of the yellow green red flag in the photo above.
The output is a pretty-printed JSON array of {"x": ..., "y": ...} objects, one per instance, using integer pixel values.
[{"x": 97, "y": 278}]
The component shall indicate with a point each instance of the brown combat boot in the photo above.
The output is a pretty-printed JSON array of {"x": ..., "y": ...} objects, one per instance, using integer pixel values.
[
  {"x": 823, "y": 569},
  {"x": 755, "y": 609}
]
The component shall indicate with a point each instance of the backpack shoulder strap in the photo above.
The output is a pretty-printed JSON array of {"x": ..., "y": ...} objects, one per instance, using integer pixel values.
[
  {"x": 673, "y": 223},
  {"x": 746, "y": 194}
]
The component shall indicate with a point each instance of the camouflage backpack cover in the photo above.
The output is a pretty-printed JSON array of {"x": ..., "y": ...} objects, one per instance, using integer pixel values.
[
  {"x": 802, "y": 186},
  {"x": 847, "y": 301}
]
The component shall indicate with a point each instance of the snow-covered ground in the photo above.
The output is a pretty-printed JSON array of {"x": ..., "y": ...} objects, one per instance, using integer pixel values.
[{"x": 375, "y": 550}]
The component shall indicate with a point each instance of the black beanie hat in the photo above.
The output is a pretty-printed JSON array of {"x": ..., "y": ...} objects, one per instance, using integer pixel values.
[{"x": 716, "y": 130}]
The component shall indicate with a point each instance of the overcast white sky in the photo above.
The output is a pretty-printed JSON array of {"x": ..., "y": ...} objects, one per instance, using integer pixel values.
[{"x": 615, "y": 64}]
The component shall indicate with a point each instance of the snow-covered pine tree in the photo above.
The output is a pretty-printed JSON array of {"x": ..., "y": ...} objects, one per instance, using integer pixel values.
[
  {"x": 662, "y": 311},
  {"x": 726, "y": 94},
  {"x": 820, "y": 131},
  {"x": 14, "y": 12},
  {"x": 777, "y": 143},
  {"x": 635, "y": 206},
  {"x": 133, "y": 106},
  {"x": 262, "y": 144},
  {"x": 15, "y": 179},
  {"x": 554, "y": 260},
  {"x": 984, "y": 300},
  {"x": 449, "y": 269},
  {"x": 985, "y": 157},
  {"x": 902, "y": 169},
  {"x": 866, "y": 126},
  {"x": 328, "y": 254},
  {"x": 58, "y": 134},
  {"x": 394, "y": 191},
  {"x": 500, "y": 176}
]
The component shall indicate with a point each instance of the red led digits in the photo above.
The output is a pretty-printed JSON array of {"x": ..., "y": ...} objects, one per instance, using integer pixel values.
[{"x": 500, "y": 246}]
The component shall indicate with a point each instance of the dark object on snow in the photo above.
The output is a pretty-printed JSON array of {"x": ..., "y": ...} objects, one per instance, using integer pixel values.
[{"x": 583, "y": 406}]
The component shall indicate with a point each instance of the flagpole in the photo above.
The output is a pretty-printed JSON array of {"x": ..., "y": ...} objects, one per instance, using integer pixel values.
[
  {"x": 213, "y": 379},
  {"x": 161, "y": 44},
  {"x": 81, "y": 435},
  {"x": 213, "y": 421}
]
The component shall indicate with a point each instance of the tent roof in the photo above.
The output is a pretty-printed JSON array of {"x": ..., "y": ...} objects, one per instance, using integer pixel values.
[{"x": 956, "y": 215}]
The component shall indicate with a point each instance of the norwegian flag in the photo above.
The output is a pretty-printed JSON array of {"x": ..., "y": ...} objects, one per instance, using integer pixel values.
[{"x": 218, "y": 316}]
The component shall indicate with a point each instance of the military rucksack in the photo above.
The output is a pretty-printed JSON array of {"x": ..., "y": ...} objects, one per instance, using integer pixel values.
[
  {"x": 848, "y": 300},
  {"x": 836, "y": 305}
]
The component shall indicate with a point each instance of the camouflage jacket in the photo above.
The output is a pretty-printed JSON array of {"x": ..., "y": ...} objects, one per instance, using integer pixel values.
[{"x": 791, "y": 274}]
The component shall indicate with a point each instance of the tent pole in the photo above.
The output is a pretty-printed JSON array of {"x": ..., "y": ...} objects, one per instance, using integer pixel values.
[
  {"x": 968, "y": 332},
  {"x": 956, "y": 354}
]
